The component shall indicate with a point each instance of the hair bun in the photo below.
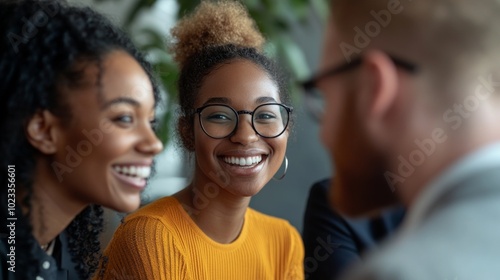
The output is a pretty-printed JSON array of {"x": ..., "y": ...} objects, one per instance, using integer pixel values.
[{"x": 214, "y": 24}]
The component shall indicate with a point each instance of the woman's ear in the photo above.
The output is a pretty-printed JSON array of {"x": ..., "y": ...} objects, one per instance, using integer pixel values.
[
  {"x": 185, "y": 128},
  {"x": 288, "y": 131},
  {"x": 40, "y": 131}
]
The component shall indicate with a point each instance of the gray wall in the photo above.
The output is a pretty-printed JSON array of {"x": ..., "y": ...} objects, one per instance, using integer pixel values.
[{"x": 308, "y": 160}]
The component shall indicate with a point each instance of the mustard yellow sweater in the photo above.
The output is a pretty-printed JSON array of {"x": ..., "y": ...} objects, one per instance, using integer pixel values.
[{"x": 161, "y": 241}]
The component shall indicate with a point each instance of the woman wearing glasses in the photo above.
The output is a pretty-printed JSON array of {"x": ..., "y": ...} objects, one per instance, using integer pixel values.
[{"x": 235, "y": 122}]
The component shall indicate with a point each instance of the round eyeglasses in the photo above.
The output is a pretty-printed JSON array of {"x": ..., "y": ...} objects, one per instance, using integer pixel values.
[{"x": 269, "y": 120}]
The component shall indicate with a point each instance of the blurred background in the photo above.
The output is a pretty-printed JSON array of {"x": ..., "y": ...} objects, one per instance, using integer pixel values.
[{"x": 293, "y": 29}]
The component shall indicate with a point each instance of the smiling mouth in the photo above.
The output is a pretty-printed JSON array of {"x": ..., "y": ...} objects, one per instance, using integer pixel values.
[
  {"x": 243, "y": 161},
  {"x": 141, "y": 172}
]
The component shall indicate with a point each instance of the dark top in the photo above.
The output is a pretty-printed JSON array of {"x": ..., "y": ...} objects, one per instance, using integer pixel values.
[
  {"x": 56, "y": 267},
  {"x": 332, "y": 242}
]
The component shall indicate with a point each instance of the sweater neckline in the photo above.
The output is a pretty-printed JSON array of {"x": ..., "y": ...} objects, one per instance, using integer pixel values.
[{"x": 230, "y": 246}]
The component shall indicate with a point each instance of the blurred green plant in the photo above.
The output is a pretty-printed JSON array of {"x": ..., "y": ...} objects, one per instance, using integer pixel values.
[{"x": 275, "y": 19}]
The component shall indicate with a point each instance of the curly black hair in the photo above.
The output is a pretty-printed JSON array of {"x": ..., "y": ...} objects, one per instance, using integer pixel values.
[{"x": 40, "y": 44}]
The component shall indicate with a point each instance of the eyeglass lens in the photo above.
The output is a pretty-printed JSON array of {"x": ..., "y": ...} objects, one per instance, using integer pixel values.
[{"x": 220, "y": 121}]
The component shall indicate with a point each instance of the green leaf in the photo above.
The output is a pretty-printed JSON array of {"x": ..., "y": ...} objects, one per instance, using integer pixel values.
[
  {"x": 321, "y": 8},
  {"x": 294, "y": 57},
  {"x": 155, "y": 39},
  {"x": 138, "y": 7},
  {"x": 186, "y": 7},
  {"x": 168, "y": 74},
  {"x": 300, "y": 9}
]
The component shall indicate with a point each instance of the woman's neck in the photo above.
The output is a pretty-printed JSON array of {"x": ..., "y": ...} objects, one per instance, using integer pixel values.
[
  {"x": 52, "y": 208},
  {"x": 218, "y": 213},
  {"x": 50, "y": 216}
]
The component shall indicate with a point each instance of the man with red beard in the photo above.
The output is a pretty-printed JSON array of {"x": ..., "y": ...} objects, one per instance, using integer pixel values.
[{"x": 411, "y": 116}]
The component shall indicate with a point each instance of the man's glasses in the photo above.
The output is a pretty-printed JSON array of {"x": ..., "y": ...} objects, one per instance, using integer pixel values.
[
  {"x": 313, "y": 97},
  {"x": 269, "y": 120}
]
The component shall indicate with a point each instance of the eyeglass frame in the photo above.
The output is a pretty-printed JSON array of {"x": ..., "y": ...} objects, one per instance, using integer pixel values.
[
  {"x": 198, "y": 111},
  {"x": 311, "y": 83}
]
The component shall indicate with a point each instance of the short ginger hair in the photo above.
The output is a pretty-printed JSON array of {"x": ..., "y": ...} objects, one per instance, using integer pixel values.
[{"x": 452, "y": 39}]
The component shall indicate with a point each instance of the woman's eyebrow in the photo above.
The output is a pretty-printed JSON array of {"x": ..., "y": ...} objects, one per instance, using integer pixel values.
[
  {"x": 222, "y": 100},
  {"x": 265, "y": 99},
  {"x": 126, "y": 100}
]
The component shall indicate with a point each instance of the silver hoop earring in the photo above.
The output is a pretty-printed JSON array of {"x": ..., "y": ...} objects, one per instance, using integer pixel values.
[{"x": 284, "y": 173}]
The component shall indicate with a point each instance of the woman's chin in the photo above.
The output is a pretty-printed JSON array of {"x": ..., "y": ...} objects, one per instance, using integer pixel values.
[
  {"x": 126, "y": 206},
  {"x": 244, "y": 189}
]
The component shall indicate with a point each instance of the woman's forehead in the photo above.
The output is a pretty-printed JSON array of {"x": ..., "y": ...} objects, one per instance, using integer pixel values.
[{"x": 240, "y": 81}]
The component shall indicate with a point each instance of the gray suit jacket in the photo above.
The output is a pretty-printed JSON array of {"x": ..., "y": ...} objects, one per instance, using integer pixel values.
[{"x": 452, "y": 232}]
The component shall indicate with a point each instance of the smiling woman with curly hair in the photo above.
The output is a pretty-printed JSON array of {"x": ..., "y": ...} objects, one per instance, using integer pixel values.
[
  {"x": 234, "y": 119},
  {"x": 76, "y": 102}
]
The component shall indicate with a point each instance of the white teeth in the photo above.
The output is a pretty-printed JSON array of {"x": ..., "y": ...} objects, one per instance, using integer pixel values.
[
  {"x": 134, "y": 171},
  {"x": 144, "y": 172},
  {"x": 243, "y": 161}
]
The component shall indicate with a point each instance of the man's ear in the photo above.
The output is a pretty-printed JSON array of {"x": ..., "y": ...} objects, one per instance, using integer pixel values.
[
  {"x": 186, "y": 132},
  {"x": 41, "y": 131},
  {"x": 379, "y": 94}
]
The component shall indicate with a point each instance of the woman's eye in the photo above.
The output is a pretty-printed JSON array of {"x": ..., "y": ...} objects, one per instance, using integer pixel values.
[
  {"x": 125, "y": 119},
  {"x": 265, "y": 116},
  {"x": 218, "y": 117}
]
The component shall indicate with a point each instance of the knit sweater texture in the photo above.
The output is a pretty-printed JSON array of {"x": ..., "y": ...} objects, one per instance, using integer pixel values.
[{"x": 161, "y": 241}]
